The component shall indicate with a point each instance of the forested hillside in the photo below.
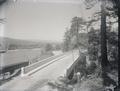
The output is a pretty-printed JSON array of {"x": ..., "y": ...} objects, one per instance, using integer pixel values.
[{"x": 12, "y": 44}]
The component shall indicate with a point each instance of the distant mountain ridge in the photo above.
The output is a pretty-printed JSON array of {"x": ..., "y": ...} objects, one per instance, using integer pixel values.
[{"x": 10, "y": 43}]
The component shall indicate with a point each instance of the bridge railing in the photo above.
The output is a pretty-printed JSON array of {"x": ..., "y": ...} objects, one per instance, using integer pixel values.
[
  {"x": 35, "y": 66},
  {"x": 70, "y": 70}
]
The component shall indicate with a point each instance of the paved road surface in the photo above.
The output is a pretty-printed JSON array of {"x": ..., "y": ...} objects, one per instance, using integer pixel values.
[{"x": 38, "y": 79}]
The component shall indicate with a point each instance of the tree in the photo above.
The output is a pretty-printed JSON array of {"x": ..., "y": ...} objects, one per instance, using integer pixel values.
[
  {"x": 58, "y": 47},
  {"x": 2, "y": 2},
  {"x": 94, "y": 42},
  {"x": 71, "y": 36},
  {"x": 104, "y": 57},
  {"x": 48, "y": 47},
  {"x": 116, "y": 9},
  {"x": 116, "y": 4},
  {"x": 77, "y": 25},
  {"x": 67, "y": 40}
]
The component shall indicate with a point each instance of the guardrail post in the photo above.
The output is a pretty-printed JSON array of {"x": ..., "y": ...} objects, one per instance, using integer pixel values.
[
  {"x": 22, "y": 71},
  {"x": 78, "y": 77}
]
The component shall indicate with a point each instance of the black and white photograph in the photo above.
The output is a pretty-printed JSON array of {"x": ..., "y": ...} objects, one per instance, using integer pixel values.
[{"x": 59, "y": 45}]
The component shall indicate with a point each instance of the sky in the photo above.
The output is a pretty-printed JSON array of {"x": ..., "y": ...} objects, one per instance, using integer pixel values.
[{"x": 41, "y": 19}]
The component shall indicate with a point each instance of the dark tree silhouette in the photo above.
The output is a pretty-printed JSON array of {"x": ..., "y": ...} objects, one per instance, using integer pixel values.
[
  {"x": 104, "y": 59},
  {"x": 116, "y": 4},
  {"x": 2, "y": 1}
]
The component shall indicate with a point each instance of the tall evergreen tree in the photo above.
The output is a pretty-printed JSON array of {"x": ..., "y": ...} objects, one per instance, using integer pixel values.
[
  {"x": 104, "y": 57},
  {"x": 116, "y": 4}
]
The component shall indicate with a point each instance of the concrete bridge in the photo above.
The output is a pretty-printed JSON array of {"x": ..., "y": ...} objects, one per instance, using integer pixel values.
[{"x": 38, "y": 74}]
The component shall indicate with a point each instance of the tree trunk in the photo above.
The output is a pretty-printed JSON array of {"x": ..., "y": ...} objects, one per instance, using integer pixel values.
[
  {"x": 119, "y": 45},
  {"x": 118, "y": 6},
  {"x": 104, "y": 59}
]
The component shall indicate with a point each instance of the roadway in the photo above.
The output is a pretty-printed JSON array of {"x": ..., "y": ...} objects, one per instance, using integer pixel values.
[{"x": 35, "y": 81}]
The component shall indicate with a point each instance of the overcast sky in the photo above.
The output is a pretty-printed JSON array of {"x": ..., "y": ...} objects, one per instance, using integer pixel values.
[{"x": 41, "y": 20}]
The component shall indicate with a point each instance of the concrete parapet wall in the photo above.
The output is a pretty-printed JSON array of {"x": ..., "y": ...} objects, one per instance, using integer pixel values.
[
  {"x": 70, "y": 70},
  {"x": 38, "y": 65}
]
